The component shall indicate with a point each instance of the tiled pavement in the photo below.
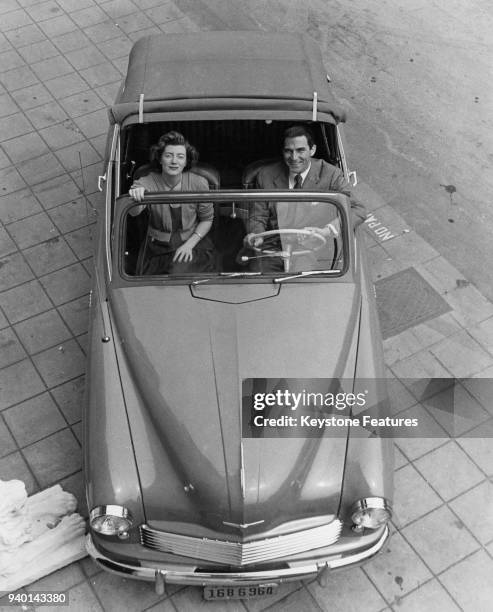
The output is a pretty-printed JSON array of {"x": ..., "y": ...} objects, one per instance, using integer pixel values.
[{"x": 60, "y": 65}]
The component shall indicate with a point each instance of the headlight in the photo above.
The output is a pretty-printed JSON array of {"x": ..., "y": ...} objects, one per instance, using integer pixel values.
[
  {"x": 111, "y": 520},
  {"x": 370, "y": 512}
]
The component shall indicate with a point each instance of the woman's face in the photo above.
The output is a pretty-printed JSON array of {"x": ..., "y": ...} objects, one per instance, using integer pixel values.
[{"x": 173, "y": 159}]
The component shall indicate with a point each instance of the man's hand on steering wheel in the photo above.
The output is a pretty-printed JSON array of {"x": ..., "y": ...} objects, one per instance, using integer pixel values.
[
  {"x": 252, "y": 240},
  {"x": 312, "y": 238}
]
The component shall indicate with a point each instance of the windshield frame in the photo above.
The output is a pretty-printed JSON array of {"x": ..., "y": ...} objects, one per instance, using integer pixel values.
[{"x": 121, "y": 279}]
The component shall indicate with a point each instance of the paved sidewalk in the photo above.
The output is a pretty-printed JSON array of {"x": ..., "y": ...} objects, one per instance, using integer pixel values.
[{"x": 61, "y": 62}]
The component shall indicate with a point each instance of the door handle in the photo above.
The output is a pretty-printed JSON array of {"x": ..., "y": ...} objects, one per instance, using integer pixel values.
[{"x": 101, "y": 178}]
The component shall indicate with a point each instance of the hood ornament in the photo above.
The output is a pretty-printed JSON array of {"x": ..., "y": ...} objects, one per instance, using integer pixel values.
[{"x": 243, "y": 525}]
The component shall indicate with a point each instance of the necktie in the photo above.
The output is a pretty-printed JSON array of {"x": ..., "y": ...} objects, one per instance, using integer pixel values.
[{"x": 298, "y": 181}]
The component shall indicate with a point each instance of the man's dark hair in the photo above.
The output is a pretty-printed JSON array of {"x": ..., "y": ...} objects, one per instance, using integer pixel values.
[
  {"x": 299, "y": 130},
  {"x": 173, "y": 138}
]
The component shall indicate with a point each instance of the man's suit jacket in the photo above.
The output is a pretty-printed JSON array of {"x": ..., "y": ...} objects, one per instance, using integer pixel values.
[{"x": 322, "y": 176}]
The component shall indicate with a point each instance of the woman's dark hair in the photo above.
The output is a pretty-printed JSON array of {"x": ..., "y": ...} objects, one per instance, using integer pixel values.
[
  {"x": 299, "y": 130},
  {"x": 173, "y": 138}
]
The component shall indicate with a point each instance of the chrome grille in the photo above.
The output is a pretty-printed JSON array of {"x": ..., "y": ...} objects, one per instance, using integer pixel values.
[{"x": 237, "y": 553}]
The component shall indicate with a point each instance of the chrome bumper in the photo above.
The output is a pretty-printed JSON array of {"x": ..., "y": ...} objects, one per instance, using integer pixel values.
[{"x": 188, "y": 575}]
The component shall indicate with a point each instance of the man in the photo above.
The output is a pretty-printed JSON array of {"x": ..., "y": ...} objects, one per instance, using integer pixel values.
[{"x": 297, "y": 170}]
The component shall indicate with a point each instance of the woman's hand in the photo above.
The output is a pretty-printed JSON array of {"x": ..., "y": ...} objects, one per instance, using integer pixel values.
[
  {"x": 184, "y": 252},
  {"x": 137, "y": 193}
]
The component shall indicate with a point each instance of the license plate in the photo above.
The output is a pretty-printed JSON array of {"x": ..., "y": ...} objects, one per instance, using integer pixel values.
[{"x": 240, "y": 592}]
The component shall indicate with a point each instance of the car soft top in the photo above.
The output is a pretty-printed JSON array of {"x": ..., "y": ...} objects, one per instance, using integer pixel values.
[{"x": 247, "y": 71}]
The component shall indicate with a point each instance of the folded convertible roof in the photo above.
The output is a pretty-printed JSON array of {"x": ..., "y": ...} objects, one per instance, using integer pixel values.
[{"x": 247, "y": 71}]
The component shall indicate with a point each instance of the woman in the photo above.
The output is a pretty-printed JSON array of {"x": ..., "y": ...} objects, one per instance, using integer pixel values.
[{"x": 176, "y": 240}]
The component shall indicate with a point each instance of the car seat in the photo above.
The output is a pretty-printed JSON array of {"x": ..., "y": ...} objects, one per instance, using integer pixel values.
[
  {"x": 250, "y": 172},
  {"x": 202, "y": 169}
]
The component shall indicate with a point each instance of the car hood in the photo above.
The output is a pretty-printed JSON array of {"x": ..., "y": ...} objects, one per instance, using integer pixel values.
[{"x": 182, "y": 363}]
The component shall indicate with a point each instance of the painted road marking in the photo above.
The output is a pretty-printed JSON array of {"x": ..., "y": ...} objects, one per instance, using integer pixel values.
[{"x": 381, "y": 232}]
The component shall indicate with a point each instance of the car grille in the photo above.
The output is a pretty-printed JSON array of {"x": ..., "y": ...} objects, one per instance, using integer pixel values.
[{"x": 238, "y": 553}]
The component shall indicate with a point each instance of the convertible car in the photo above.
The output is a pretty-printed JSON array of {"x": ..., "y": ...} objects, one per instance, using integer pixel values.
[{"x": 229, "y": 439}]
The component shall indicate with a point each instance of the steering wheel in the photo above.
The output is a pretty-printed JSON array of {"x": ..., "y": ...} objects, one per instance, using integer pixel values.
[{"x": 288, "y": 252}]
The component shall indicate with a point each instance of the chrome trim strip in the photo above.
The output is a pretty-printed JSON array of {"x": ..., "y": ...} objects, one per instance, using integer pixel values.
[
  {"x": 370, "y": 503},
  {"x": 241, "y": 553},
  {"x": 242, "y": 472},
  {"x": 243, "y": 525},
  {"x": 141, "y": 108},
  {"x": 110, "y": 171},
  {"x": 187, "y": 575},
  {"x": 111, "y": 510}
]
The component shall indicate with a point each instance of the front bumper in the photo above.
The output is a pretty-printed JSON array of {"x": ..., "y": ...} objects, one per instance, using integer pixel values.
[{"x": 189, "y": 576}]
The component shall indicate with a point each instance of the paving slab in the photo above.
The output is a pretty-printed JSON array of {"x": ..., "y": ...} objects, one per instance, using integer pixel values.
[
  {"x": 469, "y": 582},
  {"x": 429, "y": 596},
  {"x": 441, "y": 539}
]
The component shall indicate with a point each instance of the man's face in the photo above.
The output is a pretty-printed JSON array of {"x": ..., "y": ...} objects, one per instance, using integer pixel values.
[{"x": 297, "y": 153}]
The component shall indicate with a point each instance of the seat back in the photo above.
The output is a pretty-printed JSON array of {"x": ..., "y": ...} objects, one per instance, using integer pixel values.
[
  {"x": 250, "y": 172},
  {"x": 249, "y": 181},
  {"x": 209, "y": 173},
  {"x": 141, "y": 171},
  {"x": 206, "y": 170}
]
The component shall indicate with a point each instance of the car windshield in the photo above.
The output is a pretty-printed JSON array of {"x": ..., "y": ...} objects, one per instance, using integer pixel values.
[{"x": 207, "y": 241}]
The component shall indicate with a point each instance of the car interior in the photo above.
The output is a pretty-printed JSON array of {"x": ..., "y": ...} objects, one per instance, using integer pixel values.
[
  {"x": 230, "y": 147},
  {"x": 231, "y": 152}
]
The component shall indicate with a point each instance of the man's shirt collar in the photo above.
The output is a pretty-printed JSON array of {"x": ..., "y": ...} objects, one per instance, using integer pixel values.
[{"x": 304, "y": 174}]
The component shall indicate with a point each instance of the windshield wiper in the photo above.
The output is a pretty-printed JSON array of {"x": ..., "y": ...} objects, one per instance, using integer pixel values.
[
  {"x": 232, "y": 274},
  {"x": 306, "y": 273},
  {"x": 226, "y": 275}
]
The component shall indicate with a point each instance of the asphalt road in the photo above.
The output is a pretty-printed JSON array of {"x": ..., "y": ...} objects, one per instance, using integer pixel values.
[{"x": 415, "y": 76}]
